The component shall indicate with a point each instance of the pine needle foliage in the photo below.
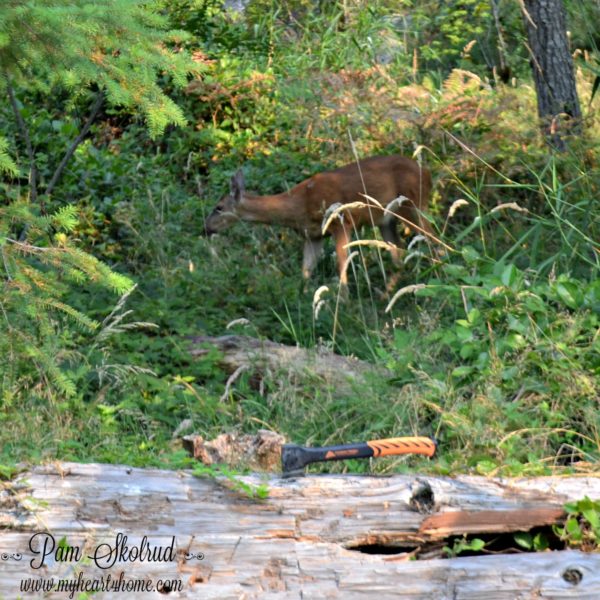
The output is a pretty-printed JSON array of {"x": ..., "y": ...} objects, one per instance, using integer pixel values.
[
  {"x": 121, "y": 46},
  {"x": 36, "y": 274},
  {"x": 122, "y": 49}
]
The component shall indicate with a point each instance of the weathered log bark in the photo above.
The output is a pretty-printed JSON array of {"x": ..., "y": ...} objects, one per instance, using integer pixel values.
[
  {"x": 341, "y": 374},
  {"x": 315, "y": 537},
  {"x": 553, "y": 71}
]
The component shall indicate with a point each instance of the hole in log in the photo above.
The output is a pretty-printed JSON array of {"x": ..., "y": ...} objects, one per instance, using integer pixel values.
[
  {"x": 422, "y": 499},
  {"x": 539, "y": 538},
  {"x": 506, "y": 543},
  {"x": 382, "y": 549},
  {"x": 573, "y": 576}
]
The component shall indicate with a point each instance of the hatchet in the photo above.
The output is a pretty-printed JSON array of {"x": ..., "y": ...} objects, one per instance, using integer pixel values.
[{"x": 294, "y": 458}]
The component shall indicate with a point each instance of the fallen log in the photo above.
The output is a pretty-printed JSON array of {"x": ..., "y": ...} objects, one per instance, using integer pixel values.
[
  {"x": 341, "y": 374},
  {"x": 313, "y": 537}
]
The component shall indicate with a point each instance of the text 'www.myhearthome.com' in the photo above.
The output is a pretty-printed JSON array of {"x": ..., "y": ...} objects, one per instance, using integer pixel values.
[{"x": 105, "y": 583}]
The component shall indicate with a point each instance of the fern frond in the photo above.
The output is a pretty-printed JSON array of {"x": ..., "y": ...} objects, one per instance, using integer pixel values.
[{"x": 7, "y": 165}]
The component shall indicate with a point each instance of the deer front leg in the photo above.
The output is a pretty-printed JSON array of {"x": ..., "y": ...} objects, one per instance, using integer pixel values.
[
  {"x": 389, "y": 233},
  {"x": 341, "y": 236},
  {"x": 313, "y": 249}
]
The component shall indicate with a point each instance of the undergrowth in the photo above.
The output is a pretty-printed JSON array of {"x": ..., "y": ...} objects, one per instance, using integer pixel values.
[{"x": 492, "y": 347}]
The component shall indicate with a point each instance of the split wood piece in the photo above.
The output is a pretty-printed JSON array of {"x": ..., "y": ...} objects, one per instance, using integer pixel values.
[
  {"x": 297, "y": 543},
  {"x": 258, "y": 452},
  {"x": 470, "y": 522},
  {"x": 342, "y": 374}
]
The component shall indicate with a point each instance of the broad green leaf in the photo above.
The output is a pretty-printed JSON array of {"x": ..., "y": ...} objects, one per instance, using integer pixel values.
[
  {"x": 540, "y": 542},
  {"x": 462, "y": 371},
  {"x": 509, "y": 275},
  {"x": 477, "y": 544},
  {"x": 569, "y": 293},
  {"x": 524, "y": 539}
]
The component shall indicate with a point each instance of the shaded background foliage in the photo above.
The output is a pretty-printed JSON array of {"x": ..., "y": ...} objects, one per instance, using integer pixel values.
[{"x": 497, "y": 355}]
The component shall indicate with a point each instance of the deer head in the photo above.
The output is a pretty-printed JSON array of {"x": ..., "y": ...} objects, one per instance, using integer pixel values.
[{"x": 225, "y": 213}]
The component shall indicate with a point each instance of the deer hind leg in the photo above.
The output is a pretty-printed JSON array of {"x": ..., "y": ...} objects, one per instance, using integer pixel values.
[
  {"x": 389, "y": 233},
  {"x": 313, "y": 249}
]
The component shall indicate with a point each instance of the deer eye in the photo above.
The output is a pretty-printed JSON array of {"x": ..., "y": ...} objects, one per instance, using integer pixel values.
[{"x": 218, "y": 209}]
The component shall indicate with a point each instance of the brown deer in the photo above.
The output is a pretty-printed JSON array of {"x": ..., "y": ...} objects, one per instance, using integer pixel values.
[{"x": 303, "y": 208}]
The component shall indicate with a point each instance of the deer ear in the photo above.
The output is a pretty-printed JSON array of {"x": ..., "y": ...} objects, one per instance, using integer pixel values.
[{"x": 237, "y": 185}]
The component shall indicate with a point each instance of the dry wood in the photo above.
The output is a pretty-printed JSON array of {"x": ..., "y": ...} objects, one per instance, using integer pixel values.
[
  {"x": 260, "y": 452},
  {"x": 341, "y": 374},
  {"x": 297, "y": 543}
]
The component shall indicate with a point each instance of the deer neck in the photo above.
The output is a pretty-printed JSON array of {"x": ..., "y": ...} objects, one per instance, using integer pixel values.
[{"x": 286, "y": 209}]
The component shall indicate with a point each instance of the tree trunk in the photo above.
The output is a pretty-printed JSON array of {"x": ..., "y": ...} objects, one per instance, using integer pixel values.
[{"x": 553, "y": 71}]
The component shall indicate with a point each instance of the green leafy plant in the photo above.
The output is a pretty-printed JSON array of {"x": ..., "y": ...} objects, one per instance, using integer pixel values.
[
  {"x": 582, "y": 526},
  {"x": 230, "y": 478},
  {"x": 534, "y": 543},
  {"x": 7, "y": 472},
  {"x": 461, "y": 545}
]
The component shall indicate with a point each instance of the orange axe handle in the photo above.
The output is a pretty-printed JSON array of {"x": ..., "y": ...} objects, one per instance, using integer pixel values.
[
  {"x": 403, "y": 445},
  {"x": 294, "y": 458}
]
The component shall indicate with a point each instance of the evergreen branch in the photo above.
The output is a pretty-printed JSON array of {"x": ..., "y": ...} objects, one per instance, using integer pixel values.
[
  {"x": 28, "y": 247},
  {"x": 70, "y": 151},
  {"x": 8, "y": 275},
  {"x": 76, "y": 315},
  {"x": 25, "y": 135}
]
